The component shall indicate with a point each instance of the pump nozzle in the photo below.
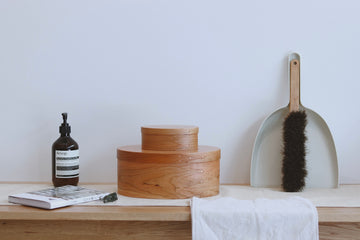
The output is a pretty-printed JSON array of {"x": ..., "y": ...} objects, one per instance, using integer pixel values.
[
  {"x": 64, "y": 115},
  {"x": 65, "y": 128}
]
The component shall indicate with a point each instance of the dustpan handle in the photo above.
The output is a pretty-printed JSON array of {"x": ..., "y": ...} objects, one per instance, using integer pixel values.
[{"x": 294, "y": 104}]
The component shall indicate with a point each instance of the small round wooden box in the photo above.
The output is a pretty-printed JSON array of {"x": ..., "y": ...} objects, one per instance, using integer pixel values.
[{"x": 168, "y": 165}]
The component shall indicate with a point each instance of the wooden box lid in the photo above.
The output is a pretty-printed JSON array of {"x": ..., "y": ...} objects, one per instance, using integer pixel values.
[{"x": 169, "y": 138}]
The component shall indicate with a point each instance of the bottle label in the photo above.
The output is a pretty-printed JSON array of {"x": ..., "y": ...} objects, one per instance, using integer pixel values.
[{"x": 67, "y": 164}]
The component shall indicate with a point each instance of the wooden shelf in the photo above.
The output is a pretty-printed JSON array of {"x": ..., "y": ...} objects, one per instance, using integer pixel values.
[
  {"x": 118, "y": 213},
  {"x": 338, "y": 215},
  {"x": 97, "y": 213},
  {"x": 123, "y": 222},
  {"x": 93, "y": 222}
]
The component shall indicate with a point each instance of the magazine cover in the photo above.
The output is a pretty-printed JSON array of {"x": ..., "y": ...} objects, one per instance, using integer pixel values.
[{"x": 57, "y": 197}]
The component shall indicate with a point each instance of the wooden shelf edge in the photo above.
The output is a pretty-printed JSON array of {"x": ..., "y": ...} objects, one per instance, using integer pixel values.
[
  {"x": 124, "y": 213},
  {"x": 96, "y": 213},
  {"x": 338, "y": 214}
]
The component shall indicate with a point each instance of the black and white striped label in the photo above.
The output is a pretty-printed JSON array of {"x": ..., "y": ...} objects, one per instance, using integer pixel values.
[{"x": 67, "y": 164}]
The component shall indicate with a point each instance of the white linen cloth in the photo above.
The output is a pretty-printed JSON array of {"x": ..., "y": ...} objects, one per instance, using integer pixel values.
[{"x": 225, "y": 218}]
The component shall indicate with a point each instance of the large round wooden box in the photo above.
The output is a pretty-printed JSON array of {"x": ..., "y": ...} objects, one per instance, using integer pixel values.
[{"x": 169, "y": 165}]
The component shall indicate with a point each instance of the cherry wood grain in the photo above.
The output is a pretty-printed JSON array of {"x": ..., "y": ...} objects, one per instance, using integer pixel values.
[
  {"x": 169, "y": 138},
  {"x": 169, "y": 129},
  {"x": 170, "y": 175},
  {"x": 168, "y": 165}
]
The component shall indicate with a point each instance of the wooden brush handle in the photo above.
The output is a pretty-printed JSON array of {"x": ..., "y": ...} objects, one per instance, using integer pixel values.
[{"x": 294, "y": 104}]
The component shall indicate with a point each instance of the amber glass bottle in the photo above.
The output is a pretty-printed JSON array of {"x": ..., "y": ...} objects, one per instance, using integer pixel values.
[{"x": 65, "y": 157}]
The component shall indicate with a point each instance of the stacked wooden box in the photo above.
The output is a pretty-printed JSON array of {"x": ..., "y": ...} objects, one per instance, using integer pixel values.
[{"x": 169, "y": 164}]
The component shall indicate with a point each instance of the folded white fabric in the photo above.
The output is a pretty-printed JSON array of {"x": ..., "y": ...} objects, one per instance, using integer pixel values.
[{"x": 292, "y": 218}]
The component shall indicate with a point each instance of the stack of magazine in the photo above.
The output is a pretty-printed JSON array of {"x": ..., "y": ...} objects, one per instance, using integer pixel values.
[{"x": 57, "y": 197}]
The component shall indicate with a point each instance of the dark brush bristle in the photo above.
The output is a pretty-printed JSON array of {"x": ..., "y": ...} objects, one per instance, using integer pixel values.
[{"x": 294, "y": 164}]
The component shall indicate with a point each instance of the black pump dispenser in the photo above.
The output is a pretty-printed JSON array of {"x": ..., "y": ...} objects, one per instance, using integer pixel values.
[{"x": 65, "y": 128}]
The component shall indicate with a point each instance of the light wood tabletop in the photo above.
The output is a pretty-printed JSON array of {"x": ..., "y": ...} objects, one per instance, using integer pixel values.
[{"x": 138, "y": 222}]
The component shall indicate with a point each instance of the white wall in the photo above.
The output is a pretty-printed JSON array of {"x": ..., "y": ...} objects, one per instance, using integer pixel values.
[{"x": 117, "y": 65}]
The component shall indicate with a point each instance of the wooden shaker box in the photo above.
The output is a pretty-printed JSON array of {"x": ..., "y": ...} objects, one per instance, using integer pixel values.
[{"x": 168, "y": 165}]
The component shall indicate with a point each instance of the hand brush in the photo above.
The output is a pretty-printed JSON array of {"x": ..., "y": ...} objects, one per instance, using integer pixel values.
[{"x": 294, "y": 162}]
